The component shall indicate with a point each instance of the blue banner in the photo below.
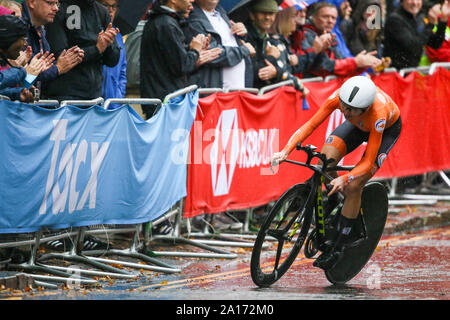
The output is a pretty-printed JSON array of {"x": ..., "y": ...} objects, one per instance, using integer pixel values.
[{"x": 77, "y": 167}]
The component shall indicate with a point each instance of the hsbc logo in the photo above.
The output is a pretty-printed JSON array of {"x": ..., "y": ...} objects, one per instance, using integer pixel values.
[
  {"x": 234, "y": 148},
  {"x": 231, "y": 149},
  {"x": 224, "y": 152}
]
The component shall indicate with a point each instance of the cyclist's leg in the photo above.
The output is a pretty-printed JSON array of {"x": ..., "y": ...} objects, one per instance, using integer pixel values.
[
  {"x": 352, "y": 192},
  {"x": 344, "y": 139}
]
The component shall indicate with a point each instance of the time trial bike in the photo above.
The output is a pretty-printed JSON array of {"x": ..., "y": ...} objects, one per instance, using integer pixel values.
[{"x": 298, "y": 217}]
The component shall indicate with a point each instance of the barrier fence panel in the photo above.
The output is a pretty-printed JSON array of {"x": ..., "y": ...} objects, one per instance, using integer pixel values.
[
  {"x": 67, "y": 171},
  {"x": 175, "y": 237}
]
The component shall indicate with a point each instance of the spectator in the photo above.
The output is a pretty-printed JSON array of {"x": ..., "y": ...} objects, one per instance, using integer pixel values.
[
  {"x": 233, "y": 68},
  {"x": 12, "y": 5},
  {"x": 296, "y": 38},
  {"x": 115, "y": 78},
  {"x": 266, "y": 70},
  {"x": 284, "y": 26},
  {"x": 360, "y": 33},
  {"x": 406, "y": 33},
  {"x": 344, "y": 10},
  {"x": 443, "y": 53},
  {"x": 16, "y": 82},
  {"x": 6, "y": 7},
  {"x": 345, "y": 18},
  {"x": 4, "y": 10},
  {"x": 331, "y": 61},
  {"x": 37, "y": 14},
  {"x": 86, "y": 24},
  {"x": 167, "y": 59}
]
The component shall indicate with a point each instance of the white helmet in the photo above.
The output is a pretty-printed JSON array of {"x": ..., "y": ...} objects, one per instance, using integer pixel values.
[{"x": 358, "y": 92}]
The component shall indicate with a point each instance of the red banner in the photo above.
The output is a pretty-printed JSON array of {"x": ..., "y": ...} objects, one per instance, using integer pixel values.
[{"x": 235, "y": 134}]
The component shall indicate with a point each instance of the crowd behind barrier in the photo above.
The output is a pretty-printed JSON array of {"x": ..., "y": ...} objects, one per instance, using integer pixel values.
[{"x": 36, "y": 235}]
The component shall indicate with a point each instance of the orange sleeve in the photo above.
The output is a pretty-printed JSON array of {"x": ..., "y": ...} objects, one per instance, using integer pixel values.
[{"x": 331, "y": 104}]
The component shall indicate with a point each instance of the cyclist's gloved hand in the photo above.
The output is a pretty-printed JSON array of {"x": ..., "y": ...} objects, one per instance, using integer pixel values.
[{"x": 277, "y": 157}]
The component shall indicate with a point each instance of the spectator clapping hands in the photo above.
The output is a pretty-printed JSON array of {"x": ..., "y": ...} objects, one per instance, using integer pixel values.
[
  {"x": 40, "y": 63},
  {"x": 68, "y": 59},
  {"x": 439, "y": 12},
  {"x": 323, "y": 42},
  {"x": 24, "y": 57},
  {"x": 366, "y": 59},
  {"x": 200, "y": 43},
  {"x": 238, "y": 28},
  {"x": 106, "y": 38}
]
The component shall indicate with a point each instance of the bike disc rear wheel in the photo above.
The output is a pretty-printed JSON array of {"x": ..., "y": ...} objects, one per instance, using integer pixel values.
[
  {"x": 284, "y": 231},
  {"x": 374, "y": 204}
]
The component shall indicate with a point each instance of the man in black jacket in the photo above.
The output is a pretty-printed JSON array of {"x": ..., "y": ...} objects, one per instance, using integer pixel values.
[
  {"x": 166, "y": 57},
  {"x": 406, "y": 33},
  {"x": 233, "y": 69},
  {"x": 86, "y": 24}
]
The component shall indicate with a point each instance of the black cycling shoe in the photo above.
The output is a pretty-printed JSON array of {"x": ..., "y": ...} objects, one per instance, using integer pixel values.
[
  {"x": 164, "y": 228},
  {"x": 60, "y": 245},
  {"x": 328, "y": 260},
  {"x": 92, "y": 243}
]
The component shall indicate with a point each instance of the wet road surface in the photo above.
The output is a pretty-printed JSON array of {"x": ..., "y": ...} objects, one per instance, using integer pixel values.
[{"x": 413, "y": 265}]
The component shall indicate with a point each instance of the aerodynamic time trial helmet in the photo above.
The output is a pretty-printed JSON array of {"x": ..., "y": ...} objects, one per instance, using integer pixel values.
[{"x": 358, "y": 92}]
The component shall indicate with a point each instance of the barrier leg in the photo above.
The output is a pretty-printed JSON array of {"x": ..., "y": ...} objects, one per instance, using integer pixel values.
[
  {"x": 417, "y": 198},
  {"x": 33, "y": 266},
  {"x": 176, "y": 239},
  {"x": 230, "y": 239},
  {"x": 132, "y": 252},
  {"x": 444, "y": 177},
  {"x": 76, "y": 255}
]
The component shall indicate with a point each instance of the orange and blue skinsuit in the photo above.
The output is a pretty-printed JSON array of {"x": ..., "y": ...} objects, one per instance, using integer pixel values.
[{"x": 381, "y": 115}]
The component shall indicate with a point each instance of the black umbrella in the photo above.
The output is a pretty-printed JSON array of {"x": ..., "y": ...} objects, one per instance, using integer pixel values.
[
  {"x": 239, "y": 13},
  {"x": 228, "y": 4},
  {"x": 130, "y": 12}
]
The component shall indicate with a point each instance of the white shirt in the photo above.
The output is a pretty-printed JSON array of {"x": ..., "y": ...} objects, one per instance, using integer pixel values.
[{"x": 233, "y": 77}]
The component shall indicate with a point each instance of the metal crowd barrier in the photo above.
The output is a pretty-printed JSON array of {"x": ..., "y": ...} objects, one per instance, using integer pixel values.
[{"x": 92, "y": 102}]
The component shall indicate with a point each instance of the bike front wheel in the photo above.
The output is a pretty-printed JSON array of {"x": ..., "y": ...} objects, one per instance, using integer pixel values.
[{"x": 283, "y": 232}]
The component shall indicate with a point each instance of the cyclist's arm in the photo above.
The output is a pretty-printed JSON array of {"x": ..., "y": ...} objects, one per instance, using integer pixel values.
[
  {"x": 367, "y": 162},
  {"x": 331, "y": 104}
]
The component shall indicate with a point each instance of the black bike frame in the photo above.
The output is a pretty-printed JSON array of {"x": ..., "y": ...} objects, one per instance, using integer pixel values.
[{"x": 315, "y": 196}]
